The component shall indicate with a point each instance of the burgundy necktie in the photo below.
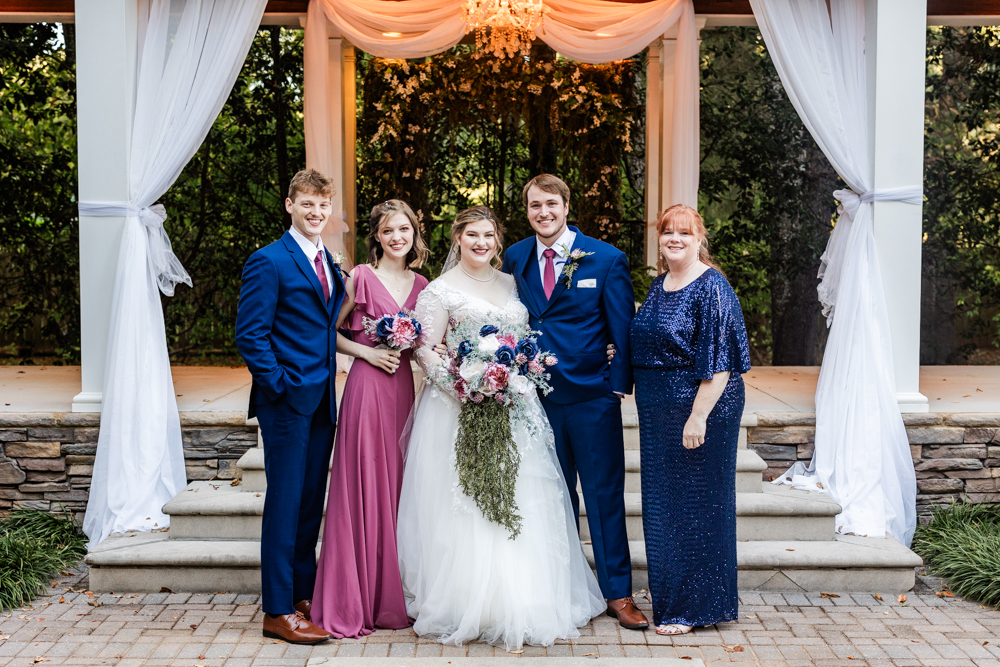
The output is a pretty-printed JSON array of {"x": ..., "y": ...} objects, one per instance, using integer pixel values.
[
  {"x": 321, "y": 274},
  {"x": 549, "y": 276}
]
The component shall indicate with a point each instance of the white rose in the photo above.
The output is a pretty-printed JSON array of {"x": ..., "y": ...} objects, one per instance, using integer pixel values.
[
  {"x": 520, "y": 384},
  {"x": 489, "y": 344},
  {"x": 472, "y": 370}
]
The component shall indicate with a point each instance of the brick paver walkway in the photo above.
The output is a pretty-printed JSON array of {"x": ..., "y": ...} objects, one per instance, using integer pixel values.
[{"x": 774, "y": 630}]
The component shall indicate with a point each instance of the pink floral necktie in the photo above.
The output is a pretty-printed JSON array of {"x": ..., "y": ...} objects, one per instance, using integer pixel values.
[
  {"x": 549, "y": 276},
  {"x": 321, "y": 274}
]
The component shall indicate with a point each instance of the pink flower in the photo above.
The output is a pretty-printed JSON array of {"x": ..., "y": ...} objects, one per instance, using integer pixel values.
[
  {"x": 476, "y": 397},
  {"x": 403, "y": 332},
  {"x": 521, "y": 359},
  {"x": 496, "y": 377},
  {"x": 535, "y": 368},
  {"x": 550, "y": 360},
  {"x": 508, "y": 340},
  {"x": 461, "y": 389}
]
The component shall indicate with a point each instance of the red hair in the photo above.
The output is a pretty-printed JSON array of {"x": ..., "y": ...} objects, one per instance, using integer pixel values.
[{"x": 687, "y": 219}]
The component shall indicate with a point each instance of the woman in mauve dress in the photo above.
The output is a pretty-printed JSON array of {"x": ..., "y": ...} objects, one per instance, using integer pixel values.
[
  {"x": 689, "y": 348},
  {"x": 358, "y": 586}
]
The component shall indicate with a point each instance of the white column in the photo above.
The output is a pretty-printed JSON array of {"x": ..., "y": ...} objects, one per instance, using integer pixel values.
[
  {"x": 105, "y": 63},
  {"x": 335, "y": 100},
  {"x": 653, "y": 150},
  {"x": 895, "y": 36},
  {"x": 350, "y": 152}
]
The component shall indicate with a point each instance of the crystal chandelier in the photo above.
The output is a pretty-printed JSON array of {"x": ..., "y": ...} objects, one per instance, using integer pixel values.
[{"x": 511, "y": 24}]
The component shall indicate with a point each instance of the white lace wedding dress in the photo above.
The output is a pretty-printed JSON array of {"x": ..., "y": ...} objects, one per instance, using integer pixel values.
[{"x": 462, "y": 577}]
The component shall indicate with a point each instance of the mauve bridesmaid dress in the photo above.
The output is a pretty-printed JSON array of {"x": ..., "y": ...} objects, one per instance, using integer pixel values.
[{"x": 358, "y": 586}]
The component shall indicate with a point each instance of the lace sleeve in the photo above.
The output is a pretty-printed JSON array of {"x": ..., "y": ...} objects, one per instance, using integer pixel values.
[{"x": 433, "y": 317}]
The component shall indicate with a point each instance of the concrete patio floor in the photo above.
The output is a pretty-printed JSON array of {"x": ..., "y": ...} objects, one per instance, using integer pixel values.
[
  {"x": 226, "y": 389},
  {"x": 71, "y": 627}
]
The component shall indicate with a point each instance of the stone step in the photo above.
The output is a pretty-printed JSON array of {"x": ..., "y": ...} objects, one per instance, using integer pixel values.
[
  {"x": 148, "y": 562},
  {"x": 846, "y": 564},
  {"x": 251, "y": 465},
  {"x": 774, "y": 512},
  {"x": 213, "y": 511}
]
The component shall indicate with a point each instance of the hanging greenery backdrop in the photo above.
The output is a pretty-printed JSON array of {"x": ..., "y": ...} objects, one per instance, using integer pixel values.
[{"x": 456, "y": 130}]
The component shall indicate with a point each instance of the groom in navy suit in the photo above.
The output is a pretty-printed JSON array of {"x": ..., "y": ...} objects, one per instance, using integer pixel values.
[
  {"x": 579, "y": 296},
  {"x": 285, "y": 330}
]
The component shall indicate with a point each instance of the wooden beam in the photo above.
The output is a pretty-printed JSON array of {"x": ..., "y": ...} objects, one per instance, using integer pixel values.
[{"x": 724, "y": 7}]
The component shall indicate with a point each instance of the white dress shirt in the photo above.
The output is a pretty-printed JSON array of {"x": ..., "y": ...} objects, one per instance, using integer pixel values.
[
  {"x": 310, "y": 249},
  {"x": 562, "y": 245}
]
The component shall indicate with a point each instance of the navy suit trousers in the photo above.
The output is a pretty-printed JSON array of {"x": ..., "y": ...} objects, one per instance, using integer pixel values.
[
  {"x": 297, "y": 451},
  {"x": 589, "y": 441}
]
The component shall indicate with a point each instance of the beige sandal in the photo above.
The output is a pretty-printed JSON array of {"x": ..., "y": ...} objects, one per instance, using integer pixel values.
[{"x": 673, "y": 629}]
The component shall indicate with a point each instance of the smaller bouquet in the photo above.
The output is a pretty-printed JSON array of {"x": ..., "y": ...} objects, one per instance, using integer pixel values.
[{"x": 396, "y": 332}]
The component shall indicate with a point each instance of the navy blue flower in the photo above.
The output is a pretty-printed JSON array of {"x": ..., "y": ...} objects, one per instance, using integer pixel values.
[
  {"x": 487, "y": 330},
  {"x": 416, "y": 326},
  {"x": 505, "y": 355},
  {"x": 382, "y": 328},
  {"x": 528, "y": 347},
  {"x": 464, "y": 349}
]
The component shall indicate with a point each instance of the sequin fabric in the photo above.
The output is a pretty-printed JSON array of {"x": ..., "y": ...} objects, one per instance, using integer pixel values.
[{"x": 689, "y": 495}]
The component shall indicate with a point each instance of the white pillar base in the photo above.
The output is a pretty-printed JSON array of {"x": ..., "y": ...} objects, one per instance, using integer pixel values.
[
  {"x": 912, "y": 401},
  {"x": 87, "y": 401}
]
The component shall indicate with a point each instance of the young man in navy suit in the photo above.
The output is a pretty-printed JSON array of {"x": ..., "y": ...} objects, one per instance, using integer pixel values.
[
  {"x": 578, "y": 316},
  {"x": 285, "y": 330}
]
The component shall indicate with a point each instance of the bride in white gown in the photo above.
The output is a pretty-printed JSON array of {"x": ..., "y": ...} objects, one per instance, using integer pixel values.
[{"x": 463, "y": 578}]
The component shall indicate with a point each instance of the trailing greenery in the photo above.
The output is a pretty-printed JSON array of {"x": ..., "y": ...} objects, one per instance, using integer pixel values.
[
  {"x": 34, "y": 545},
  {"x": 487, "y": 460},
  {"x": 962, "y": 545},
  {"x": 453, "y": 130}
]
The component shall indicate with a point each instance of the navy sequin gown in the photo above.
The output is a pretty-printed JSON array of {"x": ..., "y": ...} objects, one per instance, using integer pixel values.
[{"x": 689, "y": 495}]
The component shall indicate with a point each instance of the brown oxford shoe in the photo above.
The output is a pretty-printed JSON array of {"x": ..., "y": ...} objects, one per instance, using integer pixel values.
[
  {"x": 306, "y": 607},
  {"x": 625, "y": 611},
  {"x": 294, "y": 629}
]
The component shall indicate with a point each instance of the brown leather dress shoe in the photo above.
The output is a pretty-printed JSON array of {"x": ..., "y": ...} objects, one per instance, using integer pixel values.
[
  {"x": 294, "y": 629},
  {"x": 627, "y": 613},
  {"x": 306, "y": 607}
]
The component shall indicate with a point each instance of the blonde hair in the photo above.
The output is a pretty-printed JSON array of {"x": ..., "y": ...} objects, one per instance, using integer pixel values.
[
  {"x": 419, "y": 252},
  {"x": 684, "y": 217},
  {"x": 475, "y": 214},
  {"x": 310, "y": 181},
  {"x": 547, "y": 183}
]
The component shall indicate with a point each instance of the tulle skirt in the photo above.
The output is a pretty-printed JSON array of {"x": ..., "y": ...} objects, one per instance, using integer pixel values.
[{"x": 463, "y": 579}]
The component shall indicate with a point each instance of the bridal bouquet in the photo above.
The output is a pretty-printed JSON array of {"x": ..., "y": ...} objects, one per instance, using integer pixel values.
[
  {"x": 397, "y": 332},
  {"x": 493, "y": 370}
]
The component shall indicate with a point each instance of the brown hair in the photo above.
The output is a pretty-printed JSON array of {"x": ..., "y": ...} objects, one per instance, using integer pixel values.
[
  {"x": 475, "y": 214},
  {"x": 310, "y": 181},
  {"x": 419, "y": 252},
  {"x": 685, "y": 217},
  {"x": 547, "y": 183}
]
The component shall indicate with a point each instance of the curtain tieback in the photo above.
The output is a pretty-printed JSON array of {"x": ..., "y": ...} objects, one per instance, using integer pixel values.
[
  {"x": 851, "y": 201},
  {"x": 160, "y": 255}
]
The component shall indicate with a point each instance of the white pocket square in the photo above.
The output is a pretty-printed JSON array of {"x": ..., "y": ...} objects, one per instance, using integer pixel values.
[{"x": 589, "y": 282}]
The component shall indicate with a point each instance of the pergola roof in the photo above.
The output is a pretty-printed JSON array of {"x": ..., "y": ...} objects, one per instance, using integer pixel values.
[{"x": 718, "y": 12}]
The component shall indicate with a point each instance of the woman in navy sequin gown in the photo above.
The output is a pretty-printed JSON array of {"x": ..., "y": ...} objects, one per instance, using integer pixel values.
[{"x": 689, "y": 348}]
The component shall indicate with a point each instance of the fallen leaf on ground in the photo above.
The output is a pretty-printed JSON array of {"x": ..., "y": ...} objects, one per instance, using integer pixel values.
[
  {"x": 789, "y": 549},
  {"x": 193, "y": 626},
  {"x": 39, "y": 659},
  {"x": 686, "y": 657},
  {"x": 94, "y": 604},
  {"x": 521, "y": 651},
  {"x": 819, "y": 485},
  {"x": 62, "y": 600},
  {"x": 164, "y": 589},
  {"x": 829, "y": 595},
  {"x": 878, "y": 597},
  {"x": 984, "y": 643},
  {"x": 733, "y": 649},
  {"x": 201, "y": 657},
  {"x": 87, "y": 614},
  {"x": 850, "y": 657},
  {"x": 901, "y": 598},
  {"x": 947, "y": 594}
]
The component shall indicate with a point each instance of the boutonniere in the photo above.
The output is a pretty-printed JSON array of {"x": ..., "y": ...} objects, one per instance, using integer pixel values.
[
  {"x": 338, "y": 263},
  {"x": 573, "y": 258}
]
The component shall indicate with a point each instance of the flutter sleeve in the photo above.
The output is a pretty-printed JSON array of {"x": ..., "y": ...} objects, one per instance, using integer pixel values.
[
  {"x": 722, "y": 335},
  {"x": 362, "y": 298}
]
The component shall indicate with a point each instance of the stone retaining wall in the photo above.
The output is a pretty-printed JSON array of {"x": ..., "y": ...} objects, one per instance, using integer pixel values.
[
  {"x": 47, "y": 459},
  {"x": 956, "y": 456}
]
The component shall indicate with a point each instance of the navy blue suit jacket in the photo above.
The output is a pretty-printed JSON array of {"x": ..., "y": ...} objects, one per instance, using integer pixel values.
[
  {"x": 578, "y": 323},
  {"x": 284, "y": 329}
]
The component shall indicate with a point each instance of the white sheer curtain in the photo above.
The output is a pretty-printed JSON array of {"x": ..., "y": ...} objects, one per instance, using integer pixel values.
[
  {"x": 590, "y": 31},
  {"x": 862, "y": 457},
  {"x": 190, "y": 52}
]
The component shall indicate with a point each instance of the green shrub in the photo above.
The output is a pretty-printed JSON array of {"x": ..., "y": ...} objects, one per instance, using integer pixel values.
[
  {"x": 962, "y": 545},
  {"x": 34, "y": 545}
]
